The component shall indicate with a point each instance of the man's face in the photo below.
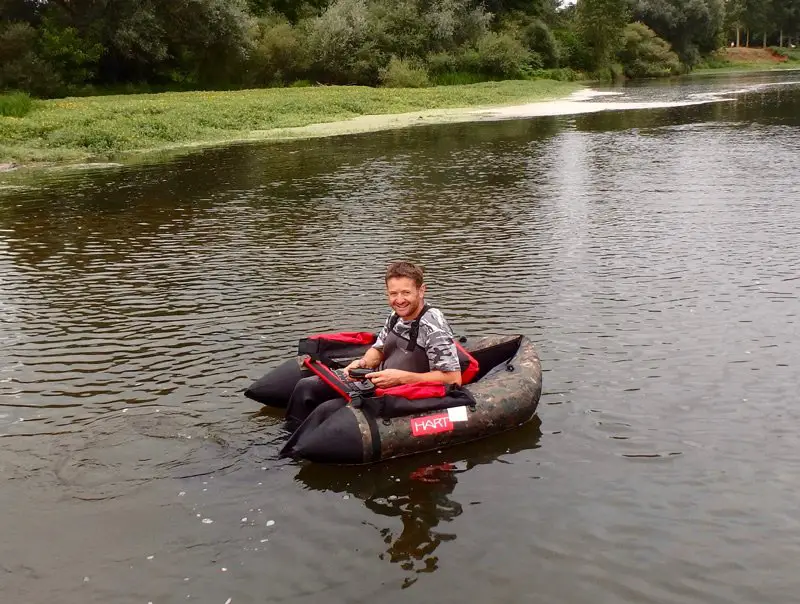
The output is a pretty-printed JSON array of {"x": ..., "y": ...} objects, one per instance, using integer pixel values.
[{"x": 405, "y": 297}]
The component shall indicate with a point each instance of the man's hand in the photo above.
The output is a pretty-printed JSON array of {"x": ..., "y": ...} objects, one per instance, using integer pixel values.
[
  {"x": 357, "y": 364},
  {"x": 372, "y": 358},
  {"x": 390, "y": 377}
]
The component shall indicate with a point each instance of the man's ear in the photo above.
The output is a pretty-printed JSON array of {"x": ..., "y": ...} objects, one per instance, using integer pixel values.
[{"x": 422, "y": 290}]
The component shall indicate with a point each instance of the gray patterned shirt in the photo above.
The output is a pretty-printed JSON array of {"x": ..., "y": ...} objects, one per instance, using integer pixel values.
[{"x": 435, "y": 337}]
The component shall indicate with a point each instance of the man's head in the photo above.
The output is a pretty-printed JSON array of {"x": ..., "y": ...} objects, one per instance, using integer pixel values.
[{"x": 405, "y": 289}]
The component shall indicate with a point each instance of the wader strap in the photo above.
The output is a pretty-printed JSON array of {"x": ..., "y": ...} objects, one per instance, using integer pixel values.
[{"x": 414, "y": 330}]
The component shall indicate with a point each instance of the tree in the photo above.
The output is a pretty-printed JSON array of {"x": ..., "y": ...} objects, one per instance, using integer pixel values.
[
  {"x": 692, "y": 27},
  {"x": 601, "y": 23}
]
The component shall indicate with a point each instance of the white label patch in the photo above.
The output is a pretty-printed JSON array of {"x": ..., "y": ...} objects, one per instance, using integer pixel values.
[{"x": 457, "y": 414}]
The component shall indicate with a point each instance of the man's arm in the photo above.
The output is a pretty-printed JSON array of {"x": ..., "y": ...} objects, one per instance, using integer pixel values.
[
  {"x": 396, "y": 377},
  {"x": 371, "y": 359}
]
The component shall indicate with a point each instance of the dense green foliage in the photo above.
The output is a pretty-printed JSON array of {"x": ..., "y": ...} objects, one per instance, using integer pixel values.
[
  {"x": 60, "y": 47},
  {"x": 644, "y": 54}
]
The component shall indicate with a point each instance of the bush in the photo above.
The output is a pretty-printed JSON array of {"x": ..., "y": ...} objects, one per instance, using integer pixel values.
[
  {"x": 72, "y": 56},
  {"x": 561, "y": 74},
  {"x": 404, "y": 73},
  {"x": 457, "y": 78},
  {"x": 15, "y": 104},
  {"x": 500, "y": 54},
  {"x": 645, "y": 55},
  {"x": 572, "y": 50},
  {"x": 339, "y": 40},
  {"x": 279, "y": 55},
  {"x": 538, "y": 37},
  {"x": 21, "y": 67}
]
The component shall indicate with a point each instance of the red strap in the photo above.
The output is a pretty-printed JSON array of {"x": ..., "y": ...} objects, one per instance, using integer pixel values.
[
  {"x": 415, "y": 391},
  {"x": 347, "y": 337},
  {"x": 472, "y": 367}
]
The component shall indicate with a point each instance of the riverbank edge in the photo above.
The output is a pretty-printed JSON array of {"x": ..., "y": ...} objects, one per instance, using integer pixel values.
[{"x": 369, "y": 122}]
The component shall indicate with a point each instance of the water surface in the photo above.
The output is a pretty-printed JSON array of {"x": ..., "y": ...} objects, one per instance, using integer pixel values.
[{"x": 651, "y": 254}]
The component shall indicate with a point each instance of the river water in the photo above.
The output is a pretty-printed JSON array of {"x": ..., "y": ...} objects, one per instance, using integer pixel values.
[{"x": 652, "y": 254}]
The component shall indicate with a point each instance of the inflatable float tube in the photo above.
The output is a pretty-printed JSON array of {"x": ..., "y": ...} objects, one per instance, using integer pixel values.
[{"x": 504, "y": 395}]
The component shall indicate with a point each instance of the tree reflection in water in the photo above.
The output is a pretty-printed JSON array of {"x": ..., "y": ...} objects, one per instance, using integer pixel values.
[{"x": 417, "y": 490}]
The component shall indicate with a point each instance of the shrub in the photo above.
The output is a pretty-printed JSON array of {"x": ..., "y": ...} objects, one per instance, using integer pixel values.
[
  {"x": 15, "y": 104},
  {"x": 644, "y": 54},
  {"x": 404, "y": 73},
  {"x": 500, "y": 54},
  {"x": 73, "y": 57},
  {"x": 20, "y": 65},
  {"x": 572, "y": 50},
  {"x": 457, "y": 78},
  {"x": 279, "y": 55},
  {"x": 440, "y": 63},
  {"x": 342, "y": 48},
  {"x": 560, "y": 74}
]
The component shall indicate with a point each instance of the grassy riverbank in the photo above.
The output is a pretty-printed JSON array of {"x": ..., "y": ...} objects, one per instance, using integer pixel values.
[
  {"x": 104, "y": 128},
  {"x": 734, "y": 60}
]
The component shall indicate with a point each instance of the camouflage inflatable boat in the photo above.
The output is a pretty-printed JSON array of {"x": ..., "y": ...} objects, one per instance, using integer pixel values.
[{"x": 366, "y": 427}]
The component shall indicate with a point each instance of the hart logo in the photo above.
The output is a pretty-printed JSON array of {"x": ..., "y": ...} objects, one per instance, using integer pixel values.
[{"x": 431, "y": 424}]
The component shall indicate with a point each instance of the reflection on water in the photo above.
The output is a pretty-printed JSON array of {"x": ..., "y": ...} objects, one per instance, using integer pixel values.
[
  {"x": 651, "y": 255},
  {"x": 419, "y": 491}
]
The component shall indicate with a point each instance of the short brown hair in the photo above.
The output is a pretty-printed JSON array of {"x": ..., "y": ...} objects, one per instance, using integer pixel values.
[{"x": 405, "y": 269}]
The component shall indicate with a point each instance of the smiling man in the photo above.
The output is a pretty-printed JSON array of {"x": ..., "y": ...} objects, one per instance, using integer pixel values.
[
  {"x": 415, "y": 345},
  {"x": 432, "y": 357}
]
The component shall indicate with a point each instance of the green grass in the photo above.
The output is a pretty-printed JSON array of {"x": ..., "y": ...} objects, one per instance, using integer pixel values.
[
  {"x": 15, "y": 104},
  {"x": 722, "y": 62},
  {"x": 737, "y": 67},
  {"x": 109, "y": 127}
]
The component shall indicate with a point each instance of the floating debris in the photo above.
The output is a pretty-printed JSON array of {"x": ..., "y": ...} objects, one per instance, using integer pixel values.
[
  {"x": 244, "y": 519},
  {"x": 207, "y": 521},
  {"x": 270, "y": 522},
  {"x": 182, "y": 493}
]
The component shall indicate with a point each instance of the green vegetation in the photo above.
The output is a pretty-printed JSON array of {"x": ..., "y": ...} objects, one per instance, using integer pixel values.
[
  {"x": 56, "y": 48},
  {"x": 105, "y": 127},
  {"x": 15, "y": 104},
  {"x": 748, "y": 59},
  {"x": 398, "y": 52}
]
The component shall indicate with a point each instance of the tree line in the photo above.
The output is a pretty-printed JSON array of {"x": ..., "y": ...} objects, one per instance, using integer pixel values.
[{"x": 56, "y": 47}]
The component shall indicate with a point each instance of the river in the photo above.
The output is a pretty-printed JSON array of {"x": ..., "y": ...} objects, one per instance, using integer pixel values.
[{"x": 652, "y": 254}]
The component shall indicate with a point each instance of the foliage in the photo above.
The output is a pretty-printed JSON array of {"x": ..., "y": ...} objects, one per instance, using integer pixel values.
[
  {"x": 404, "y": 73},
  {"x": 58, "y": 47},
  {"x": 279, "y": 55},
  {"x": 601, "y": 22},
  {"x": 342, "y": 49},
  {"x": 72, "y": 56},
  {"x": 645, "y": 55},
  {"x": 15, "y": 104},
  {"x": 500, "y": 55},
  {"x": 21, "y": 67},
  {"x": 692, "y": 27}
]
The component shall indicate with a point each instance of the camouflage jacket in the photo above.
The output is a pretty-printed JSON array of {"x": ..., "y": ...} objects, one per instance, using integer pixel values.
[{"x": 435, "y": 337}]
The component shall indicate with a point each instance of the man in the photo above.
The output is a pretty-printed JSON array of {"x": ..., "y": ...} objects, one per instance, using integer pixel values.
[{"x": 397, "y": 361}]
